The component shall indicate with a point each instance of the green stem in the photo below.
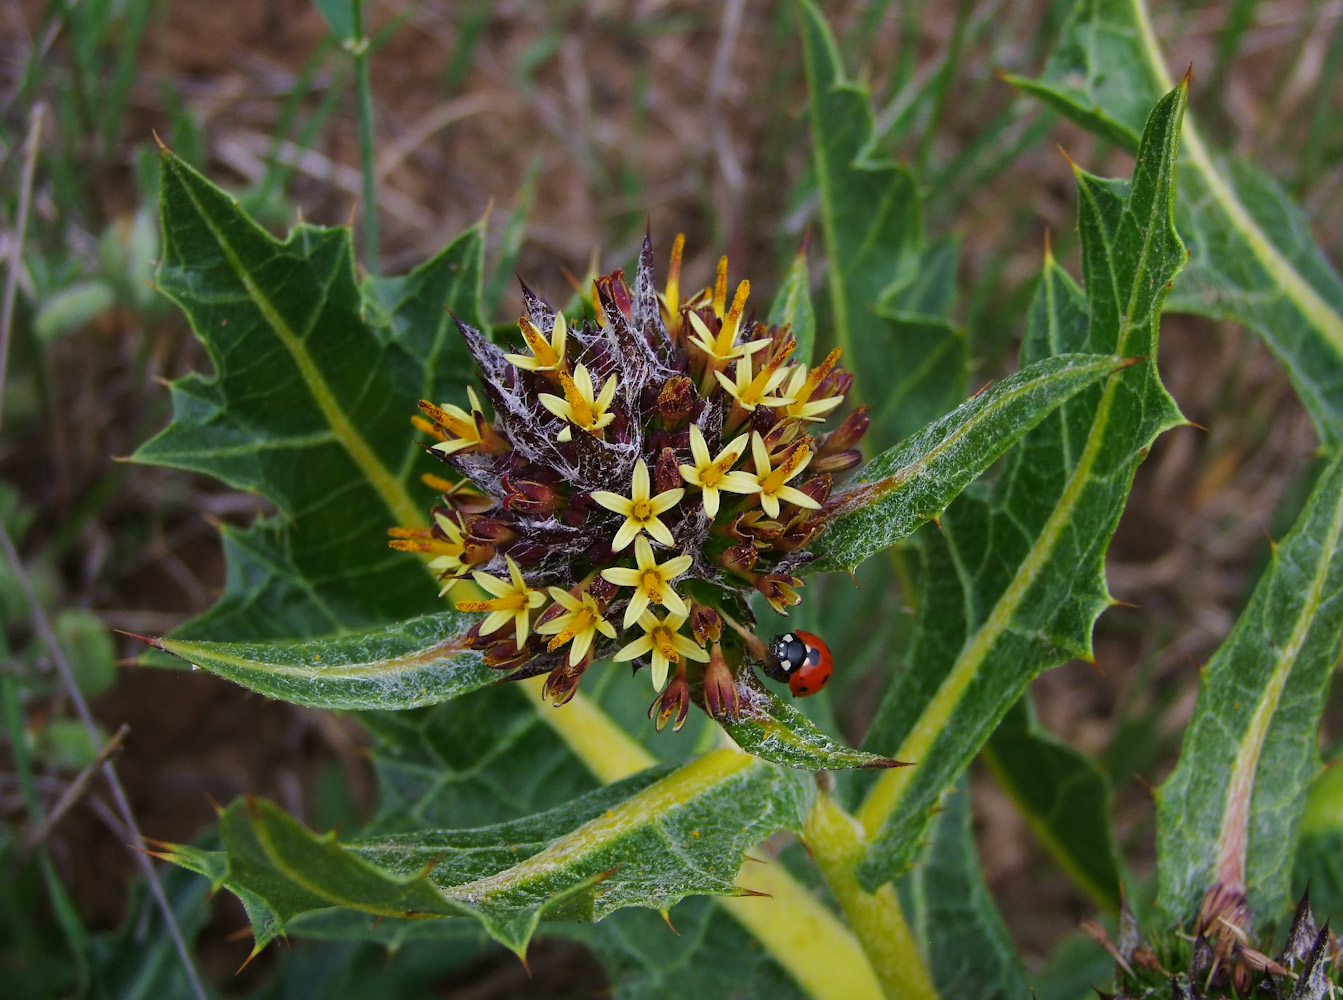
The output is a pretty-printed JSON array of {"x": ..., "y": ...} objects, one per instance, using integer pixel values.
[
  {"x": 836, "y": 842},
  {"x": 358, "y": 46}
]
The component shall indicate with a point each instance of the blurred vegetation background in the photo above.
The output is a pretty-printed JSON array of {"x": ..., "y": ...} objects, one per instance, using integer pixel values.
[{"x": 573, "y": 126}]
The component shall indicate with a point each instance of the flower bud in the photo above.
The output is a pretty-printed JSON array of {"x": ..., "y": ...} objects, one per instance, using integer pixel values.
[
  {"x": 740, "y": 558},
  {"x": 562, "y": 682},
  {"x": 847, "y": 434},
  {"x": 839, "y": 461},
  {"x": 666, "y": 472},
  {"x": 676, "y": 401},
  {"x": 721, "y": 698},
  {"x": 525, "y": 496},
  {"x": 673, "y": 701},
  {"x": 780, "y": 589},
  {"x": 705, "y": 624}
]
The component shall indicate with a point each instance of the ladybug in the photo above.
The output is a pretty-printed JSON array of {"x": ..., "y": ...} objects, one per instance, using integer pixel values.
[{"x": 803, "y": 660}]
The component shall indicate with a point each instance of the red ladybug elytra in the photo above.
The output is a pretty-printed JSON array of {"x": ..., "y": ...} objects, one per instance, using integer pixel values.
[{"x": 803, "y": 660}]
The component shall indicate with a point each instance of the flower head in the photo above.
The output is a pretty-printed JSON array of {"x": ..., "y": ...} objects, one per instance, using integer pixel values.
[
  {"x": 625, "y": 486},
  {"x": 546, "y": 355},
  {"x": 772, "y": 480},
  {"x": 712, "y": 474}
]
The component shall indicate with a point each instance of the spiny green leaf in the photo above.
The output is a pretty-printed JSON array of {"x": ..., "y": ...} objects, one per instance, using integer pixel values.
[
  {"x": 774, "y": 730},
  {"x": 870, "y": 219},
  {"x": 1014, "y": 582},
  {"x": 969, "y": 951},
  {"x": 1253, "y": 260},
  {"x": 470, "y": 762},
  {"x": 708, "y": 955},
  {"x": 1229, "y": 813},
  {"x": 416, "y": 662},
  {"x": 913, "y": 482},
  {"x": 647, "y": 841},
  {"x": 792, "y": 307},
  {"x": 309, "y": 405},
  {"x": 1063, "y": 796}
]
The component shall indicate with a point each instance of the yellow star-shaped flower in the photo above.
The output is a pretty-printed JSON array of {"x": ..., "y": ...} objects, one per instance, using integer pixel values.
[
  {"x": 457, "y": 422},
  {"x": 749, "y": 391},
  {"x": 579, "y": 624},
  {"x": 545, "y": 356},
  {"x": 512, "y": 599},
  {"x": 641, "y": 509},
  {"x": 651, "y": 581},
  {"x": 772, "y": 488},
  {"x": 721, "y": 348},
  {"x": 662, "y": 637},
  {"x": 578, "y": 405},
  {"x": 712, "y": 475},
  {"x": 802, "y": 384}
]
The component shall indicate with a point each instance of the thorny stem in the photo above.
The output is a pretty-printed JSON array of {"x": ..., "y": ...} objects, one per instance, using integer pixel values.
[
  {"x": 122, "y": 804},
  {"x": 358, "y": 46}
]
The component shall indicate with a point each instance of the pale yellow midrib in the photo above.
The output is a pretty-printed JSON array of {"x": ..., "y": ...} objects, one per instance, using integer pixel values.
[
  {"x": 888, "y": 790},
  {"x": 1233, "y": 838},
  {"x": 1320, "y": 314},
  {"x": 392, "y": 492}
]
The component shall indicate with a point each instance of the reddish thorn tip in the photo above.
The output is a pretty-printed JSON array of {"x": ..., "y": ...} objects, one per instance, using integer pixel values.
[{"x": 148, "y": 640}]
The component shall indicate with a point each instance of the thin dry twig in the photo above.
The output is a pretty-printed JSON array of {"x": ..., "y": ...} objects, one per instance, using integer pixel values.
[
  {"x": 73, "y": 793},
  {"x": 123, "y": 807},
  {"x": 31, "y": 147}
]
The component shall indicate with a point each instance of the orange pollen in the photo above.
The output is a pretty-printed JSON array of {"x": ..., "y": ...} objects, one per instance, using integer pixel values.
[
  {"x": 738, "y": 304},
  {"x": 541, "y": 348},
  {"x": 720, "y": 288},
  {"x": 583, "y": 415},
  {"x": 581, "y": 623},
  {"x": 662, "y": 638},
  {"x": 509, "y": 602},
  {"x": 425, "y": 427},
  {"x": 674, "y": 275},
  {"x": 815, "y": 376},
  {"x": 794, "y": 461}
]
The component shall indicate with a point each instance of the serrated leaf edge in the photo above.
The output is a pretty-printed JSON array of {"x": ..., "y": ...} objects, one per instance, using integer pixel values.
[{"x": 398, "y": 500}]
